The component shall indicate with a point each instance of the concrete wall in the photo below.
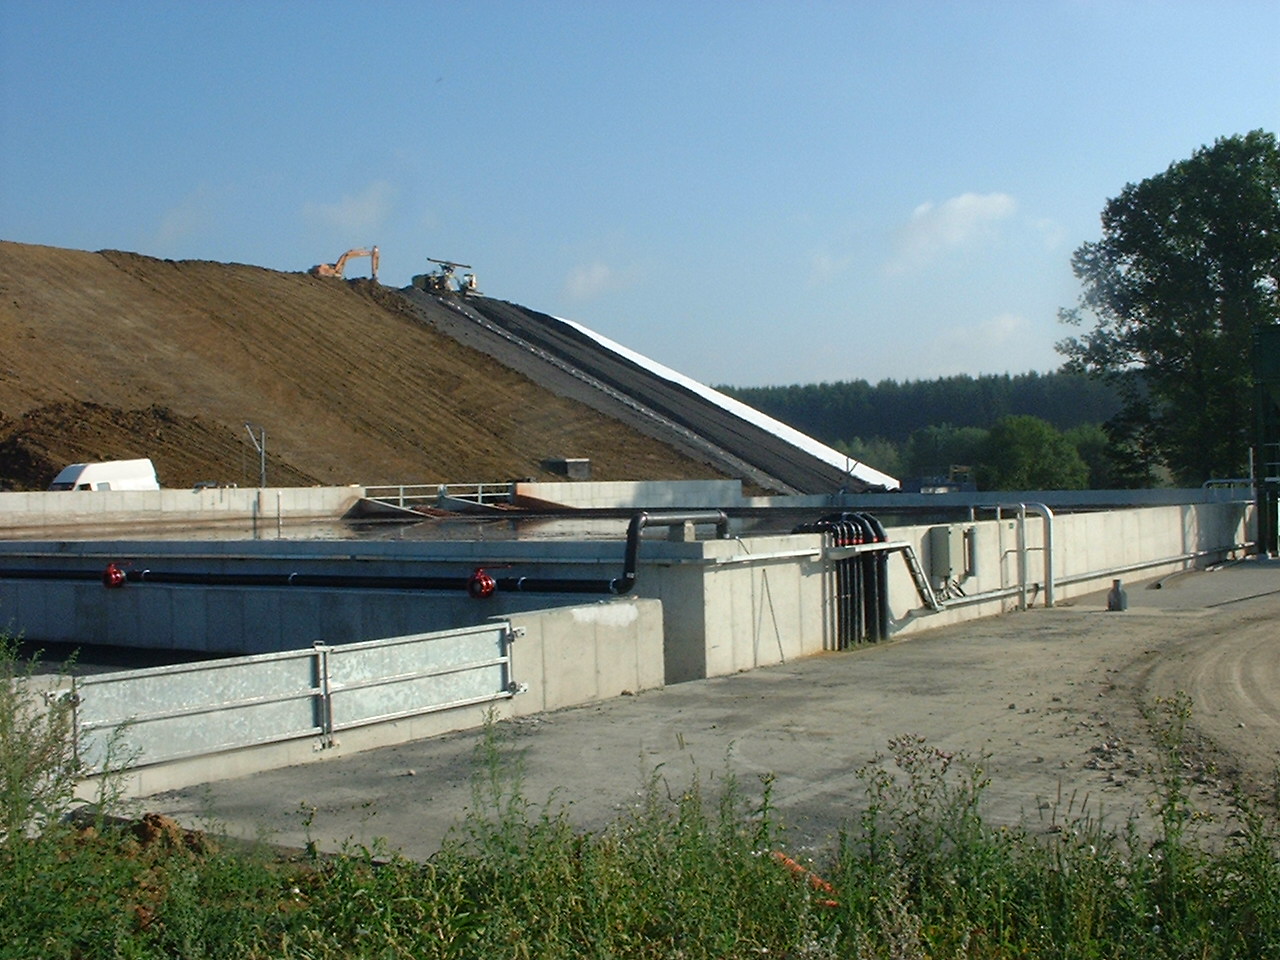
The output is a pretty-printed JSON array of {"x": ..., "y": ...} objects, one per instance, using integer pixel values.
[
  {"x": 584, "y": 653},
  {"x": 732, "y": 605},
  {"x": 636, "y": 495},
  {"x": 263, "y": 619},
  {"x": 728, "y": 605},
  {"x": 1089, "y": 551},
  {"x": 85, "y": 511}
]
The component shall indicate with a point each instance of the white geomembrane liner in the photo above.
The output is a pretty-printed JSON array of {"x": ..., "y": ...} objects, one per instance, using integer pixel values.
[{"x": 792, "y": 436}]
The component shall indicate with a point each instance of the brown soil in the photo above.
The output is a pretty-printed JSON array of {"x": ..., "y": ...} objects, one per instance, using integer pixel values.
[{"x": 114, "y": 355}]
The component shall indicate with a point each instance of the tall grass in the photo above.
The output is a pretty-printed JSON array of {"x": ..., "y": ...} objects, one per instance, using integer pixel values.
[
  {"x": 39, "y": 766},
  {"x": 686, "y": 873}
]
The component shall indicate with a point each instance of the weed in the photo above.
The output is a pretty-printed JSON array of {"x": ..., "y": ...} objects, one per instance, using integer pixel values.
[
  {"x": 687, "y": 872},
  {"x": 39, "y": 766}
]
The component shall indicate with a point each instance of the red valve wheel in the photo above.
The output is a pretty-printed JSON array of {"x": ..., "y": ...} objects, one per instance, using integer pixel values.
[{"x": 480, "y": 585}]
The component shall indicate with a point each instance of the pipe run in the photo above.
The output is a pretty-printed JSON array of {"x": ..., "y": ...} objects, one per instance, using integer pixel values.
[
  {"x": 479, "y": 584},
  {"x": 860, "y": 583},
  {"x": 1023, "y": 579}
]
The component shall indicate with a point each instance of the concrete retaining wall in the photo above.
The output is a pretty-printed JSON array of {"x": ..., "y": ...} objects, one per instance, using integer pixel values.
[
  {"x": 263, "y": 619},
  {"x": 739, "y": 604},
  {"x": 636, "y": 495},
  {"x": 1089, "y": 551},
  {"x": 83, "y": 512},
  {"x": 700, "y": 608}
]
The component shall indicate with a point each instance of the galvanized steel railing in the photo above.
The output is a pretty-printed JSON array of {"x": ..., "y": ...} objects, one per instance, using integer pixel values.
[
  {"x": 190, "y": 710},
  {"x": 408, "y": 496}
]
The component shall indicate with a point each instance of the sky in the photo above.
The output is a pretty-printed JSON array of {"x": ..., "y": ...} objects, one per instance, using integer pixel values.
[{"x": 752, "y": 193}]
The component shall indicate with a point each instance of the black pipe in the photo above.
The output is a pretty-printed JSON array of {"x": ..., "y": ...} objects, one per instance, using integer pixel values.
[
  {"x": 362, "y": 581},
  {"x": 616, "y": 585},
  {"x": 862, "y": 579},
  {"x": 880, "y": 561},
  {"x": 872, "y": 588},
  {"x": 641, "y": 520}
]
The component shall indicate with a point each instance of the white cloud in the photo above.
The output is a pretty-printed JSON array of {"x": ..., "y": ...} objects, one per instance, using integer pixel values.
[
  {"x": 358, "y": 213},
  {"x": 590, "y": 280},
  {"x": 993, "y": 334},
  {"x": 995, "y": 344},
  {"x": 955, "y": 224},
  {"x": 1003, "y": 328}
]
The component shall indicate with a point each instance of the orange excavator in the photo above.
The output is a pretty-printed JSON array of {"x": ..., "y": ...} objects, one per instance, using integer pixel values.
[{"x": 336, "y": 269}]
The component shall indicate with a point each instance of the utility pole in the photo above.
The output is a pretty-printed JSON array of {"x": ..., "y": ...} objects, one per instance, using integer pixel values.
[{"x": 259, "y": 444}]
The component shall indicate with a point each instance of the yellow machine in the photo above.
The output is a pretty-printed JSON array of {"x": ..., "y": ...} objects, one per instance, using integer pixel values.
[{"x": 336, "y": 269}]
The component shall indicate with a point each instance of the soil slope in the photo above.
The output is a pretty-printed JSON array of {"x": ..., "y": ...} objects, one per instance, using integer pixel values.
[{"x": 113, "y": 355}]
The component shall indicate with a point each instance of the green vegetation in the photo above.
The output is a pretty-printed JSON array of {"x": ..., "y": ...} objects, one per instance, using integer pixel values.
[
  {"x": 1188, "y": 265},
  {"x": 918, "y": 874},
  {"x": 1025, "y": 453},
  {"x": 846, "y": 410},
  {"x": 39, "y": 768},
  {"x": 927, "y": 428}
]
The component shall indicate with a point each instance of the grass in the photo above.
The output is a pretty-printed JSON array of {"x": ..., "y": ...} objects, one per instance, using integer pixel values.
[{"x": 694, "y": 875}]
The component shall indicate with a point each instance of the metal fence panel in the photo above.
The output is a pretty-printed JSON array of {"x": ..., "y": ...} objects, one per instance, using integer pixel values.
[
  {"x": 165, "y": 713},
  {"x": 190, "y": 710},
  {"x": 402, "y": 676}
]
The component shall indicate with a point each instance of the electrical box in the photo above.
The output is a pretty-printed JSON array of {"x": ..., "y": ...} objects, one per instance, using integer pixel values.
[
  {"x": 575, "y": 468},
  {"x": 951, "y": 554}
]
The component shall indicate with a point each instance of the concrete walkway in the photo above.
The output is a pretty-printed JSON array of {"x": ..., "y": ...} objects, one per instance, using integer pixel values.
[{"x": 1052, "y": 699}]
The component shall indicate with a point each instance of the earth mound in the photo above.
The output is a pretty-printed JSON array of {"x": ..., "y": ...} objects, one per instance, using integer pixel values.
[
  {"x": 186, "y": 450},
  {"x": 115, "y": 354}
]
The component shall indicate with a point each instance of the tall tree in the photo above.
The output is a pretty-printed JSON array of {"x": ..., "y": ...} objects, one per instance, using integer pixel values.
[
  {"x": 1026, "y": 453},
  {"x": 1188, "y": 264}
]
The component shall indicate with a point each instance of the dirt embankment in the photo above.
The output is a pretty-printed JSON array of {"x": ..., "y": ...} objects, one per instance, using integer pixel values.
[{"x": 116, "y": 355}]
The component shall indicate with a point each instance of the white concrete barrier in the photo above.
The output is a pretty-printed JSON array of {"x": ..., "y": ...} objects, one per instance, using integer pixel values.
[{"x": 84, "y": 512}]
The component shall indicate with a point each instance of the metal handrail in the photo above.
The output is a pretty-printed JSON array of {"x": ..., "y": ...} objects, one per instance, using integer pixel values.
[{"x": 409, "y": 494}]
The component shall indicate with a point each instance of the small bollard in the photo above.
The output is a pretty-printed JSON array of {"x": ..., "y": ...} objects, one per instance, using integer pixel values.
[{"x": 1117, "y": 599}]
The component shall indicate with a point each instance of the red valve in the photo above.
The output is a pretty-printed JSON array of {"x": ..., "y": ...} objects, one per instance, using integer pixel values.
[
  {"x": 480, "y": 585},
  {"x": 113, "y": 576}
]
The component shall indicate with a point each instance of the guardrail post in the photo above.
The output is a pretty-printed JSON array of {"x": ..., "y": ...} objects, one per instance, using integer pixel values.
[{"x": 324, "y": 701}]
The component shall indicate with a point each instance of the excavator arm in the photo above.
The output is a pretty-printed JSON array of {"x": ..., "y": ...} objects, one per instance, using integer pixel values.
[{"x": 336, "y": 269}]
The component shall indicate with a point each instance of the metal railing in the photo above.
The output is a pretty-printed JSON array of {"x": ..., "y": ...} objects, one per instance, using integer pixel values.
[
  {"x": 408, "y": 496},
  {"x": 181, "y": 711}
]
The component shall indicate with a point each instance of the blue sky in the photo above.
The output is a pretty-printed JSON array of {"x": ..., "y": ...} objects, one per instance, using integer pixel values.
[{"x": 749, "y": 192}]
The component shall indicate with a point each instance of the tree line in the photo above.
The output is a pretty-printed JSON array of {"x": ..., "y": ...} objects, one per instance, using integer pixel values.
[{"x": 1023, "y": 431}]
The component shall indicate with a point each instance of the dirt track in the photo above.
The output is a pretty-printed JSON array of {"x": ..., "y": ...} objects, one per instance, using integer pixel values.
[{"x": 1053, "y": 698}]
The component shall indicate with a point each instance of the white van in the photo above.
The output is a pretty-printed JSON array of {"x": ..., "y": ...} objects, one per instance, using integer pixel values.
[{"x": 108, "y": 475}]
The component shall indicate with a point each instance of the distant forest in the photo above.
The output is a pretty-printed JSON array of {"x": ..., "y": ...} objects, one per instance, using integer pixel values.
[
  {"x": 1033, "y": 431},
  {"x": 850, "y": 410}
]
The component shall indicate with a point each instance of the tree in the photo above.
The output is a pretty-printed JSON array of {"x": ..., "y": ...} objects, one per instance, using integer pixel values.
[
  {"x": 1027, "y": 453},
  {"x": 878, "y": 452},
  {"x": 1188, "y": 265},
  {"x": 933, "y": 451},
  {"x": 1095, "y": 447}
]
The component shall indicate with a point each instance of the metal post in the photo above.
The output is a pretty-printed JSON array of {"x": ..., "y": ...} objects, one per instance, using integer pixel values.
[{"x": 260, "y": 444}]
